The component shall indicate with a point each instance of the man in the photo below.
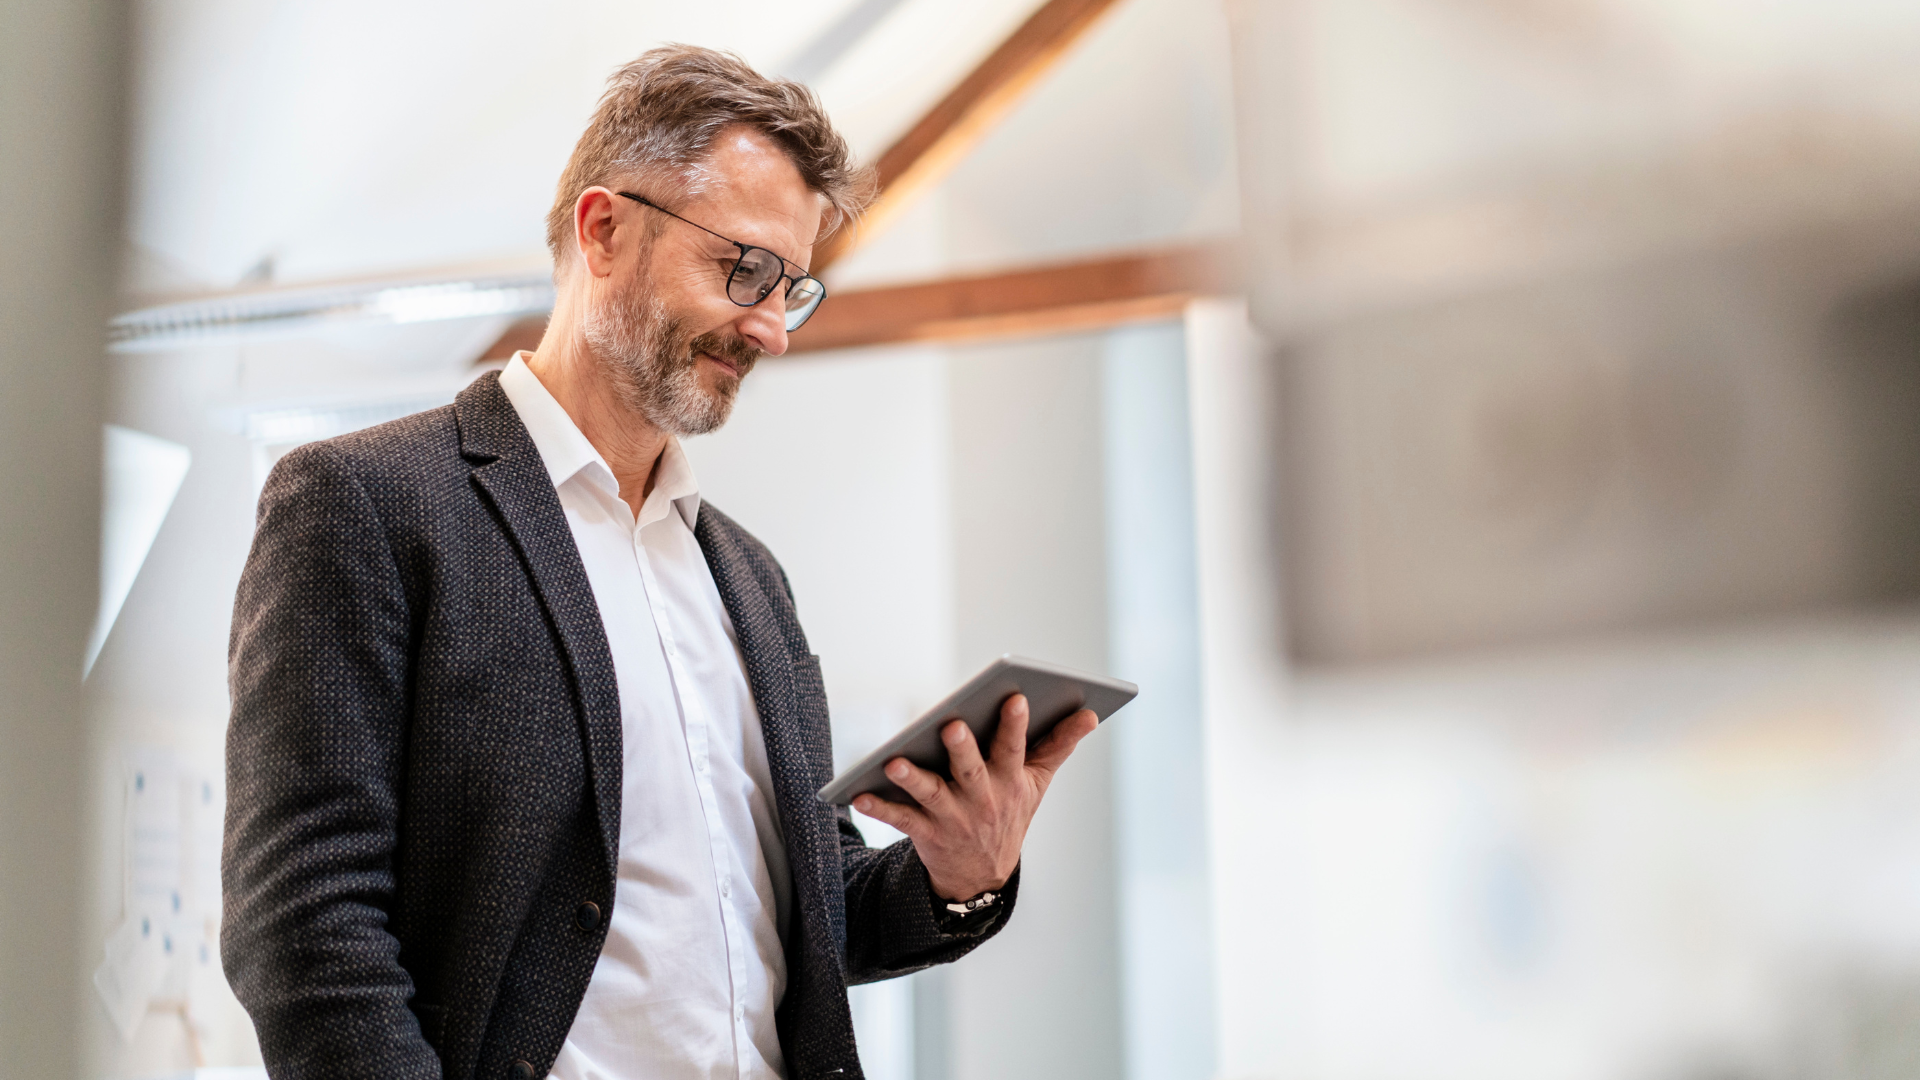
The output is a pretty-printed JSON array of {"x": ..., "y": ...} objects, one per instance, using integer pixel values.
[{"x": 525, "y": 735}]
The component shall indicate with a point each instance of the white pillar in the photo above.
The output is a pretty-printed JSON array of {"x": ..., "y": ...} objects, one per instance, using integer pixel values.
[
  {"x": 1159, "y": 778},
  {"x": 1243, "y": 678},
  {"x": 61, "y": 66}
]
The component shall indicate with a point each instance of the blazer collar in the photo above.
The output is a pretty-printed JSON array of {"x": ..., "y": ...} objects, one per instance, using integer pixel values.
[
  {"x": 489, "y": 428},
  {"x": 753, "y": 593}
]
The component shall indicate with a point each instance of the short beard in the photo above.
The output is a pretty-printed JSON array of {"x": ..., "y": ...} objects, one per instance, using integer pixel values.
[{"x": 655, "y": 366}]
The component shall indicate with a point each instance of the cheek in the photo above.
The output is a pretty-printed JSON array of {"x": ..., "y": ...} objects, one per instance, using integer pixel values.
[{"x": 698, "y": 300}]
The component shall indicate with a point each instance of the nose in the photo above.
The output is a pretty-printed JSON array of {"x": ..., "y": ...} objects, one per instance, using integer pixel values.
[{"x": 765, "y": 323}]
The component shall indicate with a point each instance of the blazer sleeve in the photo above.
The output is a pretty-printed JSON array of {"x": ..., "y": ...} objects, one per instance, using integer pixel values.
[
  {"x": 895, "y": 924},
  {"x": 318, "y": 666}
]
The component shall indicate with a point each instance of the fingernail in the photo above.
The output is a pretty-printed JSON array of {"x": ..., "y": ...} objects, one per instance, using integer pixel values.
[
  {"x": 863, "y": 804},
  {"x": 952, "y": 734},
  {"x": 897, "y": 770}
]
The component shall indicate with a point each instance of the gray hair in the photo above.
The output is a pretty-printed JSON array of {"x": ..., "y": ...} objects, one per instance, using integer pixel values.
[{"x": 661, "y": 113}]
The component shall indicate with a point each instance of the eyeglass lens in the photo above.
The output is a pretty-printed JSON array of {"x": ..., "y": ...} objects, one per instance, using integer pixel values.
[{"x": 758, "y": 273}]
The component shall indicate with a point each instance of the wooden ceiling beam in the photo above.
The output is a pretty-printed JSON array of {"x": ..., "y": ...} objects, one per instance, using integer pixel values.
[
  {"x": 933, "y": 146},
  {"x": 1084, "y": 295},
  {"x": 1027, "y": 302}
]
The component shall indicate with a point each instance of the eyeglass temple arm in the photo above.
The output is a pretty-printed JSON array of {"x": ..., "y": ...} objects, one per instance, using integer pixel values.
[{"x": 784, "y": 261}]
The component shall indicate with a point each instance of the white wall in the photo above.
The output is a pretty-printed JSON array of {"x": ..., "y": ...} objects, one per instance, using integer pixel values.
[
  {"x": 1042, "y": 998},
  {"x": 1675, "y": 855}
]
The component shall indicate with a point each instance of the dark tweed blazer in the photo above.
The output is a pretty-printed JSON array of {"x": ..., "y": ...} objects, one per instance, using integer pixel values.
[{"x": 424, "y": 769}]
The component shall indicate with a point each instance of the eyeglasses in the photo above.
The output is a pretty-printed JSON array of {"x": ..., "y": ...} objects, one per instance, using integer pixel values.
[{"x": 757, "y": 271}]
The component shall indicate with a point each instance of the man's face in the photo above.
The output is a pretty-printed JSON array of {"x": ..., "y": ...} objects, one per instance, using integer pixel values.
[{"x": 661, "y": 324}]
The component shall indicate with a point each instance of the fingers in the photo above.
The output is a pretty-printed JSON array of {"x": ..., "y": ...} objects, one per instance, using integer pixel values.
[
  {"x": 1010, "y": 738},
  {"x": 963, "y": 756},
  {"x": 1060, "y": 742},
  {"x": 902, "y": 817},
  {"x": 928, "y": 789}
]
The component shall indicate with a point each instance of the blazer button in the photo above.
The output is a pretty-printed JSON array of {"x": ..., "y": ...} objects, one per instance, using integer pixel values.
[
  {"x": 520, "y": 1070},
  {"x": 587, "y": 915}
]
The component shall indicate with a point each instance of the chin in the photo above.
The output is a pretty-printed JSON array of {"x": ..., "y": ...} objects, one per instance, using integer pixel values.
[
  {"x": 721, "y": 382},
  {"x": 702, "y": 412}
]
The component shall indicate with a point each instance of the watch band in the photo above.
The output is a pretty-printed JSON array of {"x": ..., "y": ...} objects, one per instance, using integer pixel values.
[{"x": 969, "y": 906}]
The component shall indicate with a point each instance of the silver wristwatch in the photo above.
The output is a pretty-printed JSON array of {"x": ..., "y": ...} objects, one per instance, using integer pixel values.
[{"x": 968, "y": 907}]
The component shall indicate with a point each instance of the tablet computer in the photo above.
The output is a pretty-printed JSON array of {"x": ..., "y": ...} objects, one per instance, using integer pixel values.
[{"x": 1053, "y": 694}]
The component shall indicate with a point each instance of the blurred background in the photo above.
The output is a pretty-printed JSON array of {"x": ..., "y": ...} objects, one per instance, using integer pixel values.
[{"x": 1488, "y": 431}]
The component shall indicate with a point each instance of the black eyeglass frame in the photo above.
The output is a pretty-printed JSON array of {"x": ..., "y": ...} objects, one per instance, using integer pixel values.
[{"x": 793, "y": 281}]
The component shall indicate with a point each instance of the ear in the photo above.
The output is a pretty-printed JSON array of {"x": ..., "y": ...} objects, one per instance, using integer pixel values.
[{"x": 594, "y": 232}]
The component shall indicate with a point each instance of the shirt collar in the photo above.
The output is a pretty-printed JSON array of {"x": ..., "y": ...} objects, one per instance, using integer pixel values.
[
  {"x": 566, "y": 452},
  {"x": 673, "y": 481}
]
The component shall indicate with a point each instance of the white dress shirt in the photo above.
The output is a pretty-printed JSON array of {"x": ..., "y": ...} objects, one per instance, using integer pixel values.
[{"x": 692, "y": 969}]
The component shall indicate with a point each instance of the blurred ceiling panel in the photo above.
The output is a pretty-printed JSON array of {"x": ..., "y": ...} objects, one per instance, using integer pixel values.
[
  {"x": 1402, "y": 149},
  {"x": 291, "y": 143}
]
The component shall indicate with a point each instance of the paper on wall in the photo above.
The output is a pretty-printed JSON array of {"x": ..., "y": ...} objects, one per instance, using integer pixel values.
[
  {"x": 135, "y": 966},
  {"x": 202, "y": 812},
  {"x": 154, "y": 886},
  {"x": 198, "y": 980},
  {"x": 165, "y": 947}
]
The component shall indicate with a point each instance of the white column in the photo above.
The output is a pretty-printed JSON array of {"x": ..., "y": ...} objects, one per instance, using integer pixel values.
[
  {"x": 1243, "y": 679},
  {"x": 61, "y": 63},
  {"x": 1159, "y": 778}
]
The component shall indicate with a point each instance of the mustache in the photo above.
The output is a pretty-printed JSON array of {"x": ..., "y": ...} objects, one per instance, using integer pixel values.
[{"x": 732, "y": 348}]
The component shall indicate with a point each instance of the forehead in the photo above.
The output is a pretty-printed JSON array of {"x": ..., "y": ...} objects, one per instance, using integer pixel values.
[{"x": 755, "y": 194}]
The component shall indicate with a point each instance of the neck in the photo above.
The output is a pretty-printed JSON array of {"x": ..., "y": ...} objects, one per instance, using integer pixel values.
[{"x": 570, "y": 371}]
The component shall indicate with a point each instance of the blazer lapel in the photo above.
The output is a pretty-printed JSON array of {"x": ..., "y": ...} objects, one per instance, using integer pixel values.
[
  {"x": 509, "y": 472},
  {"x": 770, "y": 665}
]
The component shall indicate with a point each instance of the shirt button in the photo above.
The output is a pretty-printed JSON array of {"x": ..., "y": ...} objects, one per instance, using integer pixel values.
[
  {"x": 520, "y": 1070},
  {"x": 587, "y": 915},
  {"x": 726, "y": 888}
]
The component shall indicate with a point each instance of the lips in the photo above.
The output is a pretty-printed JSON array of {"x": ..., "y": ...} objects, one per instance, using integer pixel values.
[{"x": 732, "y": 353}]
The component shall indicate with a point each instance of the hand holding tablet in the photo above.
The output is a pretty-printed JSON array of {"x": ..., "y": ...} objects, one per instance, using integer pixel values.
[
  {"x": 1053, "y": 693},
  {"x": 970, "y": 773}
]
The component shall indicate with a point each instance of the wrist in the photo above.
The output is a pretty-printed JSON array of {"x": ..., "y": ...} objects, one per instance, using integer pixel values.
[
  {"x": 957, "y": 892},
  {"x": 954, "y": 917}
]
